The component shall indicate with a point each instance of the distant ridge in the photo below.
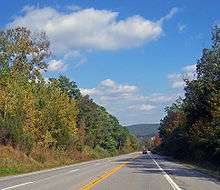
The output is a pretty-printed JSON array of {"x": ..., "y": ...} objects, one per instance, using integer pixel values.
[{"x": 143, "y": 131}]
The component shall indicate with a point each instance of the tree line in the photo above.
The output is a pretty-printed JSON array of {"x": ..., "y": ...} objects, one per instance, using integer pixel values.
[
  {"x": 39, "y": 114},
  {"x": 190, "y": 129}
]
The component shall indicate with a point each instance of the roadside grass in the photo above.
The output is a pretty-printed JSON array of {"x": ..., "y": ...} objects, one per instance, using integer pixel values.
[
  {"x": 14, "y": 162},
  {"x": 8, "y": 171}
]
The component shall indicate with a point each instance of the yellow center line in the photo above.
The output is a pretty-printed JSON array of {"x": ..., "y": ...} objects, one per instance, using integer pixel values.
[{"x": 94, "y": 182}]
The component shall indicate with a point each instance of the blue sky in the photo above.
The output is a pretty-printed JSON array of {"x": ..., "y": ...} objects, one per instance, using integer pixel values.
[{"x": 129, "y": 56}]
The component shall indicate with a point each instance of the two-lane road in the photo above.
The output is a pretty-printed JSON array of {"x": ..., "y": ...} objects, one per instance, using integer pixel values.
[{"x": 127, "y": 172}]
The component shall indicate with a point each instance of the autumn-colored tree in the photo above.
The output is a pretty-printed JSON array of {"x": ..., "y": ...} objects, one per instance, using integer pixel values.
[
  {"x": 23, "y": 52},
  {"x": 49, "y": 115}
]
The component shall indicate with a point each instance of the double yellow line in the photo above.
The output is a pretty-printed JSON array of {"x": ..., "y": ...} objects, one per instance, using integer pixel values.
[
  {"x": 94, "y": 182},
  {"x": 102, "y": 177}
]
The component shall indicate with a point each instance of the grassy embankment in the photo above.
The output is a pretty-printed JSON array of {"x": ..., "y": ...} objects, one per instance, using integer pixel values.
[{"x": 13, "y": 162}]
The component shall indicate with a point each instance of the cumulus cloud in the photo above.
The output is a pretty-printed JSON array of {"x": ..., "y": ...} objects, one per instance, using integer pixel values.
[
  {"x": 127, "y": 103},
  {"x": 56, "y": 65},
  {"x": 109, "y": 90},
  {"x": 177, "y": 79},
  {"x": 90, "y": 28},
  {"x": 141, "y": 108},
  {"x": 158, "y": 98}
]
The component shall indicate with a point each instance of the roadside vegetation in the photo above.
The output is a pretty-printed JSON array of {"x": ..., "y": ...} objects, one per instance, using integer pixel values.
[
  {"x": 190, "y": 131},
  {"x": 47, "y": 123}
]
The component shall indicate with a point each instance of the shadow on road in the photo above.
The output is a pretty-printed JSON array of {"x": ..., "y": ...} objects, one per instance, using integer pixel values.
[{"x": 145, "y": 165}]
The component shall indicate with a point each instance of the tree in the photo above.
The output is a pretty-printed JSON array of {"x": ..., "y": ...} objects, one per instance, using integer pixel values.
[
  {"x": 23, "y": 52},
  {"x": 67, "y": 86},
  {"x": 53, "y": 115},
  {"x": 192, "y": 129}
]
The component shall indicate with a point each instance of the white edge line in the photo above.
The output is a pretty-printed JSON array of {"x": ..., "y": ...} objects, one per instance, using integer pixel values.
[
  {"x": 19, "y": 185},
  {"x": 53, "y": 169},
  {"x": 31, "y": 182},
  {"x": 63, "y": 167},
  {"x": 72, "y": 171},
  {"x": 167, "y": 177},
  {"x": 158, "y": 169},
  {"x": 44, "y": 179},
  {"x": 39, "y": 172}
]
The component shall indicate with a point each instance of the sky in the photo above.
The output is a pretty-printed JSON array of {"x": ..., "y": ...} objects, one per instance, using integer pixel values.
[{"x": 129, "y": 56}]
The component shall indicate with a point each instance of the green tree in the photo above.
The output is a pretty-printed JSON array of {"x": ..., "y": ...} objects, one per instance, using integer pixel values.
[
  {"x": 193, "y": 127},
  {"x": 67, "y": 86}
]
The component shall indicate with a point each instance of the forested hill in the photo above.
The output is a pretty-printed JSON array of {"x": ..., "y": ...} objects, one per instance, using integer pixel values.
[
  {"x": 144, "y": 131},
  {"x": 49, "y": 121}
]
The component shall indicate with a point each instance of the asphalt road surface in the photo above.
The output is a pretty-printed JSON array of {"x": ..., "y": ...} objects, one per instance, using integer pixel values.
[{"x": 127, "y": 172}]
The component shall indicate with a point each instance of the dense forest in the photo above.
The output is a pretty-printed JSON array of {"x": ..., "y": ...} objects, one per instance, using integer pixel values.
[
  {"x": 191, "y": 128},
  {"x": 41, "y": 117}
]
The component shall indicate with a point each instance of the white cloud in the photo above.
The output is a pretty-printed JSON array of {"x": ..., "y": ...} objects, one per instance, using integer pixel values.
[
  {"x": 172, "y": 13},
  {"x": 181, "y": 27},
  {"x": 88, "y": 91},
  {"x": 146, "y": 107},
  {"x": 56, "y": 65},
  {"x": 109, "y": 90},
  {"x": 73, "y": 7},
  {"x": 141, "y": 108},
  {"x": 108, "y": 83},
  {"x": 190, "y": 69},
  {"x": 90, "y": 28},
  {"x": 177, "y": 79},
  {"x": 75, "y": 56},
  {"x": 158, "y": 98},
  {"x": 127, "y": 103}
]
